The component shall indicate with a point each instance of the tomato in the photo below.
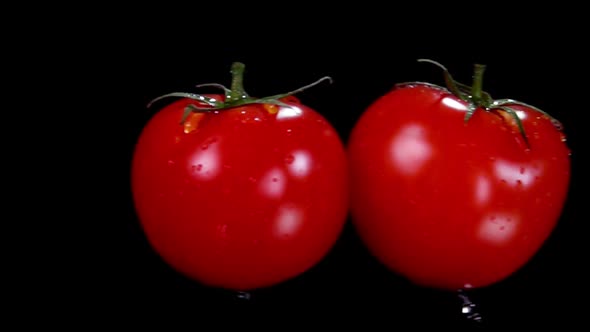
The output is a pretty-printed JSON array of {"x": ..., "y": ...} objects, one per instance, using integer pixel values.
[
  {"x": 451, "y": 189},
  {"x": 243, "y": 195}
]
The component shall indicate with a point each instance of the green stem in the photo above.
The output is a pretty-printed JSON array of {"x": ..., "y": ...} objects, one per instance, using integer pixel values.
[
  {"x": 237, "y": 82},
  {"x": 477, "y": 86}
]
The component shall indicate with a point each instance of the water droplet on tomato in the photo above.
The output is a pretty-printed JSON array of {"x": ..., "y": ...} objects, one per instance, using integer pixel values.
[
  {"x": 171, "y": 162},
  {"x": 522, "y": 169},
  {"x": 504, "y": 181},
  {"x": 406, "y": 85},
  {"x": 558, "y": 125},
  {"x": 468, "y": 308},
  {"x": 208, "y": 142},
  {"x": 518, "y": 182},
  {"x": 502, "y": 228},
  {"x": 222, "y": 230},
  {"x": 289, "y": 132},
  {"x": 252, "y": 179},
  {"x": 272, "y": 184},
  {"x": 562, "y": 137},
  {"x": 289, "y": 159},
  {"x": 197, "y": 168}
]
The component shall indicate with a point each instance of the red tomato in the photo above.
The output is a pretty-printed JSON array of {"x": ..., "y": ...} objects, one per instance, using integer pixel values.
[
  {"x": 244, "y": 197},
  {"x": 449, "y": 203}
]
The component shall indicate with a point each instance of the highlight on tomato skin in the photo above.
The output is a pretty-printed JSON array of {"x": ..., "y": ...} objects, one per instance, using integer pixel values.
[
  {"x": 240, "y": 193},
  {"x": 453, "y": 193}
]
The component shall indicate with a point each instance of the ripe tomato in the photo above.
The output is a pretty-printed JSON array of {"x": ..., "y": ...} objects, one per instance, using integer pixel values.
[
  {"x": 246, "y": 192},
  {"x": 451, "y": 189}
]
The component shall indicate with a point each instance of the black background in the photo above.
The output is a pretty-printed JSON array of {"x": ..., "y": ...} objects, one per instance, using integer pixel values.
[{"x": 121, "y": 64}]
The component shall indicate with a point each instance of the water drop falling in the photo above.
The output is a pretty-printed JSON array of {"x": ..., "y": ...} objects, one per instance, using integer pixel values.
[
  {"x": 468, "y": 308},
  {"x": 244, "y": 296}
]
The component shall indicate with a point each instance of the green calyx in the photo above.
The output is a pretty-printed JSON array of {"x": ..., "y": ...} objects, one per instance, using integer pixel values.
[
  {"x": 476, "y": 98},
  {"x": 234, "y": 97}
]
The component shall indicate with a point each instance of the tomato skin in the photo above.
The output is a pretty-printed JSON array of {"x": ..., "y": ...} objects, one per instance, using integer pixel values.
[
  {"x": 453, "y": 204},
  {"x": 246, "y": 200}
]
